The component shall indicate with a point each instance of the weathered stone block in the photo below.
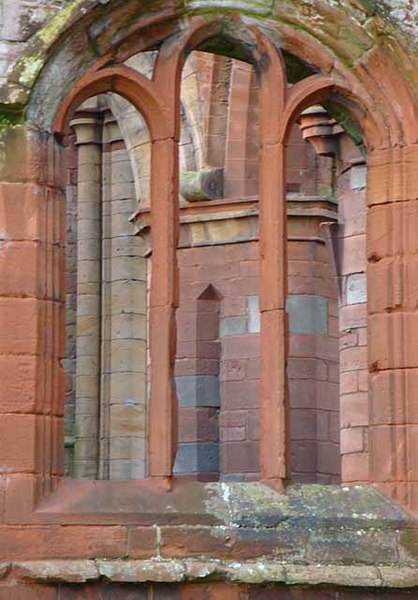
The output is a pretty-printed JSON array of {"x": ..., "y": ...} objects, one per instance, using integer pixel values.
[
  {"x": 198, "y": 390},
  {"x": 127, "y": 388},
  {"x": 357, "y": 288},
  {"x": 127, "y": 448},
  {"x": 197, "y": 458},
  {"x": 126, "y": 296},
  {"x": 126, "y": 469},
  {"x": 87, "y": 386},
  {"x": 126, "y": 421},
  {"x": 344, "y": 546},
  {"x": 253, "y": 311},
  {"x": 232, "y": 326},
  {"x": 358, "y": 176},
  {"x": 307, "y": 314},
  {"x": 128, "y": 355}
]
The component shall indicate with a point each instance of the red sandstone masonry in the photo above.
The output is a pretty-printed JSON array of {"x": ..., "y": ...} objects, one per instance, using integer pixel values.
[
  {"x": 18, "y": 384},
  {"x": 20, "y": 543},
  {"x": 199, "y": 425},
  {"x": 31, "y": 197},
  {"x": 19, "y": 331},
  {"x": 392, "y": 178},
  {"x": 236, "y": 373}
]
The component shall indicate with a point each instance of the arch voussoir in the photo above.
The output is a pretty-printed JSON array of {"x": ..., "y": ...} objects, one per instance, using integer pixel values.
[{"x": 122, "y": 80}]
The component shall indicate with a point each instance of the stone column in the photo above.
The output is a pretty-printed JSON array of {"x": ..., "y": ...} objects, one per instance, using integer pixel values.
[
  {"x": 123, "y": 380},
  {"x": 88, "y": 338}
]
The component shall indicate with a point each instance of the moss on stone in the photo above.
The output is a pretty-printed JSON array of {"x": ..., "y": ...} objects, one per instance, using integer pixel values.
[
  {"x": 244, "y": 7},
  {"x": 296, "y": 69},
  {"x": 29, "y": 68},
  {"x": 226, "y": 46},
  {"x": 50, "y": 32},
  {"x": 31, "y": 63},
  {"x": 370, "y": 6},
  {"x": 250, "y": 503},
  {"x": 11, "y": 115},
  {"x": 343, "y": 118},
  {"x": 409, "y": 542}
]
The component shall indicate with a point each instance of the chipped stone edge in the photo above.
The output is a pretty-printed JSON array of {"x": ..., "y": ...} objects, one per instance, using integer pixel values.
[{"x": 177, "y": 571}]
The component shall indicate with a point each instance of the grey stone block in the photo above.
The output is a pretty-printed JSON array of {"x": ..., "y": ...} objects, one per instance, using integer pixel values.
[
  {"x": 197, "y": 458},
  {"x": 198, "y": 390},
  {"x": 307, "y": 314},
  {"x": 233, "y": 326},
  {"x": 357, "y": 288},
  {"x": 234, "y": 477},
  {"x": 358, "y": 176},
  {"x": 253, "y": 310},
  {"x": 206, "y": 184}
]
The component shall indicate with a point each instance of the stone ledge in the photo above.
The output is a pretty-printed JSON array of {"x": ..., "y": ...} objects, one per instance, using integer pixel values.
[
  {"x": 177, "y": 571},
  {"x": 218, "y": 526},
  {"x": 234, "y": 504}
]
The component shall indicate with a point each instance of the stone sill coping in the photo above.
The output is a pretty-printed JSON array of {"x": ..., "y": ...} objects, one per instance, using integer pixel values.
[
  {"x": 228, "y": 208},
  {"x": 176, "y": 571},
  {"x": 232, "y": 504}
]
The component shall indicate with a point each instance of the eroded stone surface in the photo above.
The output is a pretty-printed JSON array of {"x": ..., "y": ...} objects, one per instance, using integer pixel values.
[
  {"x": 246, "y": 572},
  {"x": 71, "y": 571}
]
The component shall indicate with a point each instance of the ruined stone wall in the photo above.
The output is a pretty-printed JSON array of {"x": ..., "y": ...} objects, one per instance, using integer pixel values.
[
  {"x": 178, "y": 533},
  {"x": 352, "y": 172},
  {"x": 19, "y": 21},
  {"x": 208, "y": 591},
  {"x": 218, "y": 354}
]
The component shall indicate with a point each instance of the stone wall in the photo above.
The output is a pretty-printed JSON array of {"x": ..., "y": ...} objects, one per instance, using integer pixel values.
[
  {"x": 353, "y": 317},
  {"x": 218, "y": 355},
  {"x": 218, "y": 321},
  {"x": 161, "y": 530},
  {"x": 206, "y": 591}
]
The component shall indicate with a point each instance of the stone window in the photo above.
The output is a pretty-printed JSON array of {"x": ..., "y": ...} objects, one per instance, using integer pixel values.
[
  {"x": 270, "y": 340},
  {"x": 106, "y": 297},
  {"x": 222, "y": 253}
]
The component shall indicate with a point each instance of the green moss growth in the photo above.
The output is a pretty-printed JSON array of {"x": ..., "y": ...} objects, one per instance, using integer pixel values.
[
  {"x": 254, "y": 8},
  {"x": 11, "y": 115},
  {"x": 296, "y": 69},
  {"x": 30, "y": 67},
  {"x": 343, "y": 118},
  {"x": 225, "y": 46},
  {"x": 53, "y": 28},
  {"x": 409, "y": 542},
  {"x": 30, "y": 64}
]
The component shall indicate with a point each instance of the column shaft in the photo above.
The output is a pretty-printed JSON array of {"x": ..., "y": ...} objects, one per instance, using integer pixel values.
[
  {"x": 88, "y": 336},
  {"x": 123, "y": 412},
  {"x": 273, "y": 336},
  {"x": 162, "y": 435}
]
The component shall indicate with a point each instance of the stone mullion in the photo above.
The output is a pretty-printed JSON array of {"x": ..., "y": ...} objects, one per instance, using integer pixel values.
[
  {"x": 273, "y": 335},
  {"x": 273, "y": 271},
  {"x": 88, "y": 328},
  {"x": 164, "y": 288},
  {"x": 162, "y": 435}
]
